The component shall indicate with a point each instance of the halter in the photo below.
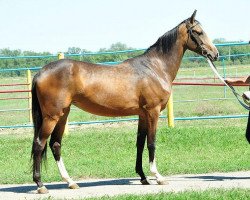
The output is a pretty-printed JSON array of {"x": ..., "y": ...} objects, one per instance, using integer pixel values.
[{"x": 195, "y": 38}]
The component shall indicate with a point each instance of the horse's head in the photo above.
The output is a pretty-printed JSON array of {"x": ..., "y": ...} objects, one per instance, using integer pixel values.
[{"x": 197, "y": 40}]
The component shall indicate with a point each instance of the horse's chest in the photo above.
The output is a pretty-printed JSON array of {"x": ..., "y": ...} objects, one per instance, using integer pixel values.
[{"x": 156, "y": 99}]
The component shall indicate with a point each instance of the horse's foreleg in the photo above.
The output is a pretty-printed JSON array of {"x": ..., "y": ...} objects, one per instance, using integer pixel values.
[
  {"x": 141, "y": 137},
  {"x": 152, "y": 125},
  {"x": 152, "y": 162},
  {"x": 55, "y": 145},
  {"x": 159, "y": 178}
]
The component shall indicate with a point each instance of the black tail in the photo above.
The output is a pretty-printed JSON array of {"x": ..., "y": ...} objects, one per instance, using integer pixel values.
[
  {"x": 37, "y": 118},
  {"x": 248, "y": 129}
]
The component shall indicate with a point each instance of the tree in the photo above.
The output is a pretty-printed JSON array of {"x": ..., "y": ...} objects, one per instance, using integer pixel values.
[
  {"x": 219, "y": 40},
  {"x": 8, "y": 52},
  {"x": 118, "y": 46},
  {"x": 74, "y": 50}
]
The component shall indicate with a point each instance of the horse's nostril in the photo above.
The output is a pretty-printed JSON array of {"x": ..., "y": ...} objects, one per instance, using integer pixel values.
[{"x": 217, "y": 56}]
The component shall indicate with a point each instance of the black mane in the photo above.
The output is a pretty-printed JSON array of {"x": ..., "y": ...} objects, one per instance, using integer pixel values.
[{"x": 166, "y": 42}]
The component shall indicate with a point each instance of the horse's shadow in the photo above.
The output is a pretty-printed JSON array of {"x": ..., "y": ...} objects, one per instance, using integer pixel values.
[
  {"x": 131, "y": 181},
  {"x": 58, "y": 186},
  {"x": 217, "y": 178}
]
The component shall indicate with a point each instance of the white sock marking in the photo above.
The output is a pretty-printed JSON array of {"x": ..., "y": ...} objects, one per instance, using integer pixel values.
[
  {"x": 63, "y": 172},
  {"x": 154, "y": 171}
]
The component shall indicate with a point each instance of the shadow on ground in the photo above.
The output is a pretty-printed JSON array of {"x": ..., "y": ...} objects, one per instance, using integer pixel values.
[
  {"x": 56, "y": 186},
  {"x": 129, "y": 181},
  {"x": 217, "y": 178}
]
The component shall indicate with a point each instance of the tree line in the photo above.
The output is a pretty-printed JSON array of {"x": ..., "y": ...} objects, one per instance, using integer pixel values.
[{"x": 187, "y": 62}]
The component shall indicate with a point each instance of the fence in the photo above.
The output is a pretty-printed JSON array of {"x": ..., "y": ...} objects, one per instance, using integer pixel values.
[{"x": 179, "y": 82}]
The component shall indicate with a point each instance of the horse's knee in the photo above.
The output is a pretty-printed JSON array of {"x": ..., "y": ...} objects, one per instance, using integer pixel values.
[{"x": 56, "y": 150}]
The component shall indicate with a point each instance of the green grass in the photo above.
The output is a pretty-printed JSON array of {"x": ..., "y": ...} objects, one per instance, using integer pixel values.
[
  {"x": 211, "y": 194},
  {"x": 109, "y": 151}
]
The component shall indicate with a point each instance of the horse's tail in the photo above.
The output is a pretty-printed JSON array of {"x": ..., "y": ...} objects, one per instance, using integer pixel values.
[
  {"x": 248, "y": 129},
  {"x": 37, "y": 119}
]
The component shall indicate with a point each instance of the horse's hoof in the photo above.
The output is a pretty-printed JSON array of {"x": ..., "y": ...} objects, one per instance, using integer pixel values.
[
  {"x": 162, "y": 181},
  {"x": 42, "y": 190},
  {"x": 74, "y": 186},
  {"x": 146, "y": 182}
]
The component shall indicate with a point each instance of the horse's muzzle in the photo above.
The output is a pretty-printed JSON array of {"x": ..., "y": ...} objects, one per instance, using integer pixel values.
[{"x": 213, "y": 57}]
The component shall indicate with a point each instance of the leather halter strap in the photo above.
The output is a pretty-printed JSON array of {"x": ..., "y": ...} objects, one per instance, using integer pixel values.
[{"x": 195, "y": 38}]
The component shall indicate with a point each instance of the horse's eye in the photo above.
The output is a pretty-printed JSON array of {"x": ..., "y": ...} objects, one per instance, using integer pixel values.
[{"x": 200, "y": 33}]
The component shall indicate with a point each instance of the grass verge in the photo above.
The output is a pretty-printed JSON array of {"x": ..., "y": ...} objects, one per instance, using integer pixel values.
[
  {"x": 211, "y": 194},
  {"x": 104, "y": 152}
]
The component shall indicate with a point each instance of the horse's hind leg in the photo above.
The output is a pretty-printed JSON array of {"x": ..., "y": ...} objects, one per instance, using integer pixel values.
[
  {"x": 55, "y": 145},
  {"x": 39, "y": 149}
]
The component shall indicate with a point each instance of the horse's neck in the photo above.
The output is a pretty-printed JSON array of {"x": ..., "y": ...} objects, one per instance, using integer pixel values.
[{"x": 168, "y": 63}]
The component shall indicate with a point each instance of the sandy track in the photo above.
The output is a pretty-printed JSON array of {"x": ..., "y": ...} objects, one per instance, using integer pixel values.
[{"x": 111, "y": 187}]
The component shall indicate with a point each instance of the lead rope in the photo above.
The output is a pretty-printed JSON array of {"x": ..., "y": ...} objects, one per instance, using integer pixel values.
[{"x": 245, "y": 95}]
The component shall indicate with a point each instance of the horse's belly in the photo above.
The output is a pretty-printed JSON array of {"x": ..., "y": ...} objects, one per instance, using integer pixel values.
[{"x": 113, "y": 108}]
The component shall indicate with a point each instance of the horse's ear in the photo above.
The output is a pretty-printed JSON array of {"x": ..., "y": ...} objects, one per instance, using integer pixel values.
[{"x": 192, "y": 17}]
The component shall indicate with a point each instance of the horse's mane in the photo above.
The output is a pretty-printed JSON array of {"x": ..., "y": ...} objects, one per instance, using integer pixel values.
[{"x": 166, "y": 41}]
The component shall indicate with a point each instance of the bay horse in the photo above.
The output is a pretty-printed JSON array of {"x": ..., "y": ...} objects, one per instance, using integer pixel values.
[{"x": 138, "y": 86}]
